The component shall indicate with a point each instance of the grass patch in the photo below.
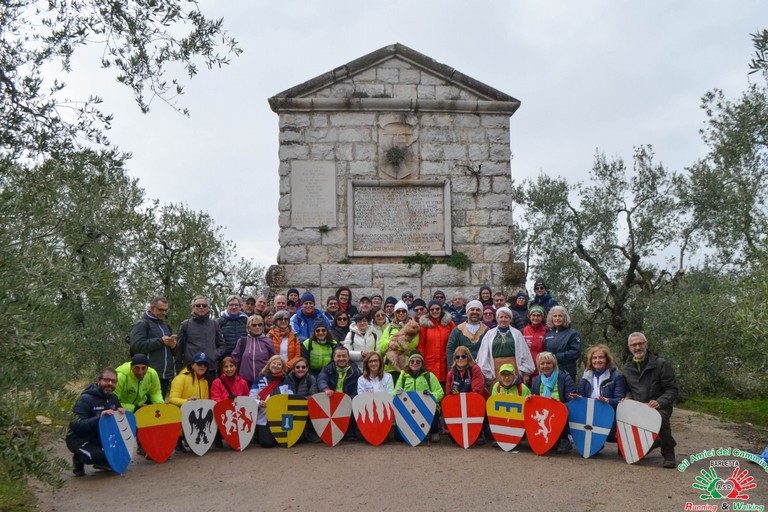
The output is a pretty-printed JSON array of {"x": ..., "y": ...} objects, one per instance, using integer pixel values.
[
  {"x": 14, "y": 496},
  {"x": 754, "y": 411}
]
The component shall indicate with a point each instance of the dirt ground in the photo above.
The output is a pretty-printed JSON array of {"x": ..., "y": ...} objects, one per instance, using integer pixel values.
[{"x": 396, "y": 477}]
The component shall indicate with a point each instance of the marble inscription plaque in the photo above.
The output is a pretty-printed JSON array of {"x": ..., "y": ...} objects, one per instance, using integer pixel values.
[
  {"x": 313, "y": 194},
  {"x": 398, "y": 219}
]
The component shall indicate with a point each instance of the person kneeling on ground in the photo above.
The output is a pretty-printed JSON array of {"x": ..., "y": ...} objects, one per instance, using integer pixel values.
[
  {"x": 553, "y": 383},
  {"x": 83, "y": 439},
  {"x": 416, "y": 377}
]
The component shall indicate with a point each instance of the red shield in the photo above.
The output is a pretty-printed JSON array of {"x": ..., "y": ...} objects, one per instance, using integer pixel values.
[
  {"x": 330, "y": 415},
  {"x": 464, "y": 414},
  {"x": 236, "y": 419},
  {"x": 159, "y": 426},
  {"x": 545, "y": 419},
  {"x": 506, "y": 419},
  {"x": 374, "y": 416}
]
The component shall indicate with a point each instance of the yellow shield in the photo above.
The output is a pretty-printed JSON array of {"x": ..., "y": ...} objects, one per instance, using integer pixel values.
[{"x": 286, "y": 417}]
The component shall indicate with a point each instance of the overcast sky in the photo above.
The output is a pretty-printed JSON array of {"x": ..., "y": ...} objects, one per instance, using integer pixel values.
[{"x": 591, "y": 75}]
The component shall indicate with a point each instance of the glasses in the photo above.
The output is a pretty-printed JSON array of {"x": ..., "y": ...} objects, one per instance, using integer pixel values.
[
  {"x": 281, "y": 319},
  {"x": 162, "y": 310},
  {"x": 488, "y": 313},
  {"x": 439, "y": 297},
  {"x": 300, "y": 367},
  {"x": 415, "y": 361},
  {"x": 435, "y": 310},
  {"x": 257, "y": 325},
  {"x": 201, "y": 305},
  {"x": 321, "y": 330},
  {"x": 419, "y": 310},
  {"x": 460, "y": 356},
  {"x": 108, "y": 380},
  {"x": 379, "y": 315},
  {"x": 233, "y": 304},
  {"x": 342, "y": 319},
  {"x": 407, "y": 297},
  {"x": 538, "y": 287},
  {"x": 637, "y": 345}
]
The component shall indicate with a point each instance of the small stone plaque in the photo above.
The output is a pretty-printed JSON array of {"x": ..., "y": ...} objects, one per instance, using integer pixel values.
[
  {"x": 398, "y": 218},
  {"x": 313, "y": 194}
]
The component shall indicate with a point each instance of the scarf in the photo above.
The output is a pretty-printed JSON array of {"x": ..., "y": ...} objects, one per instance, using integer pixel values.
[
  {"x": 342, "y": 377},
  {"x": 549, "y": 383},
  {"x": 640, "y": 363},
  {"x": 277, "y": 378}
]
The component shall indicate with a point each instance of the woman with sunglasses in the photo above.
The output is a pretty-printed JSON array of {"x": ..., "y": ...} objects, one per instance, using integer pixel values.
[
  {"x": 303, "y": 383},
  {"x": 464, "y": 376},
  {"x": 436, "y": 327},
  {"x": 318, "y": 348},
  {"x": 340, "y": 325},
  {"x": 286, "y": 343},
  {"x": 416, "y": 377},
  {"x": 190, "y": 384},
  {"x": 400, "y": 345},
  {"x": 253, "y": 350}
]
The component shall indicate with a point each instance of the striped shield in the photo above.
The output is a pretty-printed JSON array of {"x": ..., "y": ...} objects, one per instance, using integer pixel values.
[
  {"x": 414, "y": 412},
  {"x": 590, "y": 421},
  {"x": 287, "y": 417},
  {"x": 506, "y": 419},
  {"x": 637, "y": 427}
]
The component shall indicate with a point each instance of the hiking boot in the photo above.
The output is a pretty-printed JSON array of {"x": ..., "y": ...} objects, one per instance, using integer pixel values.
[
  {"x": 564, "y": 447},
  {"x": 78, "y": 468},
  {"x": 669, "y": 460},
  {"x": 102, "y": 467}
]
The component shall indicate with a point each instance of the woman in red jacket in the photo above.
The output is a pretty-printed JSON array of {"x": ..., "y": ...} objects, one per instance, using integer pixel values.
[
  {"x": 229, "y": 384},
  {"x": 436, "y": 326}
]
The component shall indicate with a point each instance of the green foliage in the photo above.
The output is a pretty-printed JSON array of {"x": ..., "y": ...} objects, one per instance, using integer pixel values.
[
  {"x": 458, "y": 259},
  {"x": 345, "y": 261},
  {"x": 324, "y": 228},
  {"x": 139, "y": 40},
  {"x": 594, "y": 243},
  {"x": 753, "y": 411},
  {"x": 14, "y": 495},
  {"x": 360, "y": 94},
  {"x": 424, "y": 260}
]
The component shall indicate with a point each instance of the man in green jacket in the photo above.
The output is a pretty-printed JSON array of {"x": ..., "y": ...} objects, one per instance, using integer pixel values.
[{"x": 138, "y": 384}]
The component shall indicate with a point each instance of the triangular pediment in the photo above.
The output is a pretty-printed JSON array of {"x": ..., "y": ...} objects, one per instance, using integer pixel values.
[{"x": 398, "y": 72}]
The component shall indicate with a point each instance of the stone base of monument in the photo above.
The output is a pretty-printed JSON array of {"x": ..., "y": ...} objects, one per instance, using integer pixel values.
[{"x": 395, "y": 278}]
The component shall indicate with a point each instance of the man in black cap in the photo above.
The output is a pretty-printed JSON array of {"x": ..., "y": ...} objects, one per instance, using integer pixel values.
[
  {"x": 389, "y": 307},
  {"x": 83, "y": 439},
  {"x": 365, "y": 306},
  {"x": 418, "y": 309},
  {"x": 542, "y": 297},
  {"x": 249, "y": 305}
]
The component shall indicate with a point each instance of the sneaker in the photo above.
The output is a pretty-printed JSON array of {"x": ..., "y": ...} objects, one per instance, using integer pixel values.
[
  {"x": 564, "y": 447},
  {"x": 102, "y": 467},
  {"x": 78, "y": 468}
]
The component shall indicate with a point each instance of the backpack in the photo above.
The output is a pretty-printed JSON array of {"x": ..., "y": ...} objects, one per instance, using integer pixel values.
[{"x": 128, "y": 336}]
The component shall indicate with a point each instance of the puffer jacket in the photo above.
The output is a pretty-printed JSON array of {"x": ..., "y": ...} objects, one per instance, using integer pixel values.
[{"x": 433, "y": 339}]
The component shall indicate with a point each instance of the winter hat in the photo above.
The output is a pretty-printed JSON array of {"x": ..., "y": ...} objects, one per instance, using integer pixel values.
[
  {"x": 390, "y": 300},
  {"x": 415, "y": 355},
  {"x": 330, "y": 298},
  {"x": 434, "y": 303},
  {"x": 418, "y": 302},
  {"x": 307, "y": 297},
  {"x": 537, "y": 309},
  {"x": 401, "y": 305},
  {"x": 318, "y": 323},
  {"x": 504, "y": 309},
  {"x": 438, "y": 292},
  {"x": 540, "y": 283},
  {"x": 140, "y": 359},
  {"x": 474, "y": 304},
  {"x": 521, "y": 293}
]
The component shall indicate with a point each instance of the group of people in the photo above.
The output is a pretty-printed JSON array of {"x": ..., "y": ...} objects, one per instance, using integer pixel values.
[{"x": 388, "y": 345}]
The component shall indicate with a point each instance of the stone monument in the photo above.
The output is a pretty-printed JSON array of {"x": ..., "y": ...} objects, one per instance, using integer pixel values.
[{"x": 394, "y": 158}]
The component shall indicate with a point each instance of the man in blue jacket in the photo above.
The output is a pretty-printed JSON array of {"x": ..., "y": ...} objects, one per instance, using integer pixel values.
[
  {"x": 303, "y": 322},
  {"x": 83, "y": 439}
]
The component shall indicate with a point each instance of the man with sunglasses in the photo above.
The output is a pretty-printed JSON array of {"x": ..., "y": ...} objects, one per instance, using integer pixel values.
[
  {"x": 200, "y": 333},
  {"x": 152, "y": 337},
  {"x": 542, "y": 297}
]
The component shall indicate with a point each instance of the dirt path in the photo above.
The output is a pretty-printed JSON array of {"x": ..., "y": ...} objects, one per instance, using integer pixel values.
[{"x": 396, "y": 477}]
